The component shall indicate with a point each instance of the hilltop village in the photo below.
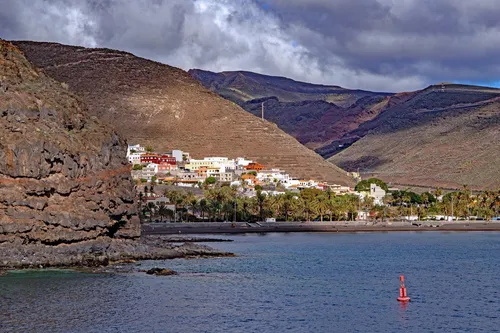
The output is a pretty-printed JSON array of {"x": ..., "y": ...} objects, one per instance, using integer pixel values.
[{"x": 180, "y": 169}]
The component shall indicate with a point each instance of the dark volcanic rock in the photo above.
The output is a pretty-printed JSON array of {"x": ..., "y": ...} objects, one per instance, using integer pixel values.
[
  {"x": 100, "y": 252},
  {"x": 160, "y": 271},
  {"x": 64, "y": 180}
]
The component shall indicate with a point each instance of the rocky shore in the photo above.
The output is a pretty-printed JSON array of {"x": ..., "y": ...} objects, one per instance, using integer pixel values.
[{"x": 100, "y": 253}]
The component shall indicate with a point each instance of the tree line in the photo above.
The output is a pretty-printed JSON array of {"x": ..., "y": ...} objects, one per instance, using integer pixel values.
[{"x": 229, "y": 203}]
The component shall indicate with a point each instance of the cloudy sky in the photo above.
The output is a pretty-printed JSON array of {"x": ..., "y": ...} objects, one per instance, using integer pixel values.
[{"x": 383, "y": 45}]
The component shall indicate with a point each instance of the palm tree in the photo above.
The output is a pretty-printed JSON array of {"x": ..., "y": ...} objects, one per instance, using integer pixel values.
[
  {"x": 203, "y": 208},
  {"x": 320, "y": 206},
  {"x": 260, "y": 200},
  {"x": 406, "y": 198},
  {"x": 352, "y": 204},
  {"x": 425, "y": 199},
  {"x": 308, "y": 195},
  {"x": 368, "y": 204},
  {"x": 187, "y": 201},
  {"x": 289, "y": 204},
  {"x": 152, "y": 210},
  {"x": 276, "y": 203},
  {"x": 335, "y": 205},
  {"x": 244, "y": 206},
  {"x": 173, "y": 198},
  {"x": 163, "y": 211},
  {"x": 193, "y": 205}
]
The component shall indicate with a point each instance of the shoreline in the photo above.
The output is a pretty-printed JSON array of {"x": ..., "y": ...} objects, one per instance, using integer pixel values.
[
  {"x": 101, "y": 253},
  {"x": 326, "y": 227}
]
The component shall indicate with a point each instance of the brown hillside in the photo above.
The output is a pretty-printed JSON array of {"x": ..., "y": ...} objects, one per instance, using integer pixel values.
[
  {"x": 156, "y": 104},
  {"x": 439, "y": 137}
]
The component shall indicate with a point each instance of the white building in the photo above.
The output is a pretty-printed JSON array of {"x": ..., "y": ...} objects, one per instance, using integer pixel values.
[
  {"x": 180, "y": 156},
  {"x": 135, "y": 149},
  {"x": 273, "y": 176},
  {"x": 377, "y": 193},
  {"x": 241, "y": 162},
  {"x": 308, "y": 183},
  {"x": 134, "y": 158},
  {"x": 222, "y": 163},
  {"x": 147, "y": 172},
  {"x": 273, "y": 193}
]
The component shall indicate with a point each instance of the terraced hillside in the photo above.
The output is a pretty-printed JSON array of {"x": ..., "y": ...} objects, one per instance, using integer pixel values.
[
  {"x": 156, "y": 104},
  {"x": 314, "y": 114},
  {"x": 446, "y": 135}
]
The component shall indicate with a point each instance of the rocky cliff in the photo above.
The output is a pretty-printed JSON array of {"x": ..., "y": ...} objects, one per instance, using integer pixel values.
[{"x": 64, "y": 179}]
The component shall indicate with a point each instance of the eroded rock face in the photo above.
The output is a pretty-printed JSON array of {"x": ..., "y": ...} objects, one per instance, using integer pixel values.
[{"x": 63, "y": 175}]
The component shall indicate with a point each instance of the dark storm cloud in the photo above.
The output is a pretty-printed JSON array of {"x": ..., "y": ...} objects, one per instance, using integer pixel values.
[
  {"x": 437, "y": 40},
  {"x": 380, "y": 45}
]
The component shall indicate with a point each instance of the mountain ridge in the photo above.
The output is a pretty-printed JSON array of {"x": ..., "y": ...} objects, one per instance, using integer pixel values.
[
  {"x": 347, "y": 132},
  {"x": 321, "y": 106}
]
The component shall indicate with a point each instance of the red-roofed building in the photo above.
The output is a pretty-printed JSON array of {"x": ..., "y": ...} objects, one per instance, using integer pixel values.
[
  {"x": 157, "y": 159},
  {"x": 254, "y": 166}
]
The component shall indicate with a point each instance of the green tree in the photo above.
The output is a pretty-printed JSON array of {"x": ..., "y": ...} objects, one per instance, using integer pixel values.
[
  {"x": 364, "y": 185},
  {"x": 260, "y": 200},
  {"x": 174, "y": 197},
  {"x": 210, "y": 180},
  {"x": 152, "y": 210},
  {"x": 164, "y": 212},
  {"x": 320, "y": 205},
  {"x": 204, "y": 208},
  {"x": 308, "y": 195},
  {"x": 137, "y": 167}
]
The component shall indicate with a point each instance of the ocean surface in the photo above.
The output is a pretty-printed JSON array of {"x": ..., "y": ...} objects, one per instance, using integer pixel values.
[{"x": 279, "y": 283}]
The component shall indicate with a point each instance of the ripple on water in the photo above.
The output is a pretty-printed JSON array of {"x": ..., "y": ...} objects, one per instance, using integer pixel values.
[{"x": 279, "y": 282}]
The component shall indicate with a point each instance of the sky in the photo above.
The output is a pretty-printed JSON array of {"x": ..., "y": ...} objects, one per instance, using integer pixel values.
[{"x": 380, "y": 45}]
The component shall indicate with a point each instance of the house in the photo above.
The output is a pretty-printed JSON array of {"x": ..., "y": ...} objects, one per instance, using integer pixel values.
[
  {"x": 180, "y": 156},
  {"x": 377, "y": 193},
  {"x": 241, "y": 162},
  {"x": 165, "y": 167},
  {"x": 148, "y": 172},
  {"x": 221, "y": 163},
  {"x": 131, "y": 149},
  {"x": 248, "y": 176},
  {"x": 157, "y": 159},
  {"x": 254, "y": 166},
  {"x": 134, "y": 158},
  {"x": 226, "y": 177},
  {"x": 273, "y": 176},
  {"x": 307, "y": 184}
]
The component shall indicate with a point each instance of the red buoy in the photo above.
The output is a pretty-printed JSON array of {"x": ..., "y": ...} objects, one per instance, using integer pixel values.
[{"x": 402, "y": 290}]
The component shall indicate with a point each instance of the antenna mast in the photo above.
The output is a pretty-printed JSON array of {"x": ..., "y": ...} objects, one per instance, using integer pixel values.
[{"x": 262, "y": 111}]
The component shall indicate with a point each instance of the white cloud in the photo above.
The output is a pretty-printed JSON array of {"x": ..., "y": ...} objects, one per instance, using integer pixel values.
[{"x": 383, "y": 45}]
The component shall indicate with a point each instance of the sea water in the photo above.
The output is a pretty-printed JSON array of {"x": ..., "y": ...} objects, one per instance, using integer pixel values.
[{"x": 300, "y": 282}]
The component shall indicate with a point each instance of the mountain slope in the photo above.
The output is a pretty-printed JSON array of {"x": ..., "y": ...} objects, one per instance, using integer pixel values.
[
  {"x": 314, "y": 114},
  {"x": 156, "y": 104},
  {"x": 63, "y": 176},
  {"x": 446, "y": 135}
]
